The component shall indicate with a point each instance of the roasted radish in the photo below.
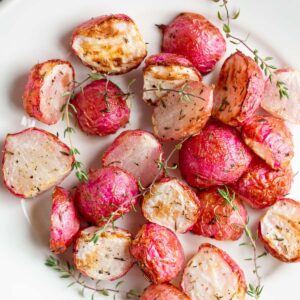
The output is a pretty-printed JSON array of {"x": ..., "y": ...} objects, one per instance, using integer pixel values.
[
  {"x": 47, "y": 90},
  {"x": 215, "y": 156},
  {"x": 284, "y": 105},
  {"x": 183, "y": 111},
  {"x": 107, "y": 258},
  {"x": 261, "y": 186},
  {"x": 194, "y": 37},
  {"x": 279, "y": 230},
  {"x": 109, "y": 44},
  {"x": 166, "y": 71},
  {"x": 34, "y": 160},
  {"x": 270, "y": 139},
  {"x": 217, "y": 219},
  {"x": 163, "y": 291},
  {"x": 212, "y": 274},
  {"x": 171, "y": 203},
  {"x": 109, "y": 193},
  {"x": 101, "y": 108},
  {"x": 158, "y": 252},
  {"x": 239, "y": 89},
  {"x": 137, "y": 152},
  {"x": 64, "y": 221}
]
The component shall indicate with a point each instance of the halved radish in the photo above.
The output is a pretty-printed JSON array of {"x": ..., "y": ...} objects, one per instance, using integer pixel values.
[
  {"x": 109, "y": 44},
  {"x": 47, "y": 90},
  {"x": 106, "y": 259},
  {"x": 212, "y": 274},
  {"x": 270, "y": 139},
  {"x": 166, "y": 71},
  {"x": 137, "y": 152},
  {"x": 163, "y": 291},
  {"x": 183, "y": 112},
  {"x": 279, "y": 230},
  {"x": 171, "y": 203},
  {"x": 282, "y": 106},
  {"x": 64, "y": 221},
  {"x": 239, "y": 89},
  {"x": 34, "y": 160}
]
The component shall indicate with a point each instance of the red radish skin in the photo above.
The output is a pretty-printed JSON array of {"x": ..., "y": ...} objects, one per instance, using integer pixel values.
[
  {"x": 270, "y": 139},
  {"x": 279, "y": 230},
  {"x": 158, "y": 252},
  {"x": 215, "y": 156},
  {"x": 106, "y": 259},
  {"x": 177, "y": 117},
  {"x": 136, "y": 151},
  {"x": 34, "y": 160},
  {"x": 212, "y": 272},
  {"x": 238, "y": 92},
  {"x": 46, "y": 90},
  {"x": 194, "y": 37},
  {"x": 217, "y": 219},
  {"x": 166, "y": 71},
  {"x": 65, "y": 223},
  {"x": 110, "y": 44},
  {"x": 261, "y": 186},
  {"x": 163, "y": 291},
  {"x": 107, "y": 190},
  {"x": 102, "y": 108},
  {"x": 287, "y": 108},
  {"x": 171, "y": 203}
]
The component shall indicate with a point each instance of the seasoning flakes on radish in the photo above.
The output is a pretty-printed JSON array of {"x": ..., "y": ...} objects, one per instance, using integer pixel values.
[
  {"x": 215, "y": 156},
  {"x": 286, "y": 107},
  {"x": 101, "y": 108},
  {"x": 47, "y": 90},
  {"x": 107, "y": 190},
  {"x": 166, "y": 71},
  {"x": 171, "y": 203},
  {"x": 239, "y": 89},
  {"x": 64, "y": 221},
  {"x": 194, "y": 37},
  {"x": 158, "y": 253},
  {"x": 34, "y": 160},
  {"x": 136, "y": 151},
  {"x": 110, "y": 44},
  {"x": 217, "y": 219},
  {"x": 212, "y": 274},
  {"x": 261, "y": 186},
  {"x": 279, "y": 230},
  {"x": 183, "y": 112},
  {"x": 270, "y": 139},
  {"x": 106, "y": 259}
]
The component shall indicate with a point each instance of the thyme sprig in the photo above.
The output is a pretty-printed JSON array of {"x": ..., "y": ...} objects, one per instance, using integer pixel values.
[
  {"x": 184, "y": 95},
  {"x": 67, "y": 112},
  {"x": 67, "y": 270},
  {"x": 161, "y": 165},
  {"x": 263, "y": 62},
  {"x": 254, "y": 291}
]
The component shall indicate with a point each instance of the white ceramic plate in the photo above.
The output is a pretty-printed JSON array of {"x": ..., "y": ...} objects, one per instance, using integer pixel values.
[{"x": 37, "y": 30}]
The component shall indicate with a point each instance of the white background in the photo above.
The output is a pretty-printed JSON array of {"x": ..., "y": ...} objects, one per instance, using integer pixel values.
[{"x": 35, "y": 30}]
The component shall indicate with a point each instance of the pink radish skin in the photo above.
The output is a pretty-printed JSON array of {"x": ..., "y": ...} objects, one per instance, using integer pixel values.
[
  {"x": 215, "y": 156},
  {"x": 107, "y": 190},
  {"x": 47, "y": 90},
  {"x": 194, "y": 37},
  {"x": 65, "y": 223}
]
